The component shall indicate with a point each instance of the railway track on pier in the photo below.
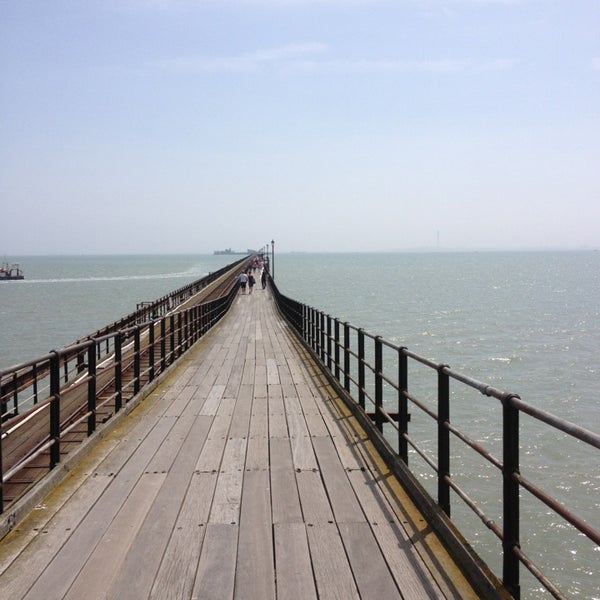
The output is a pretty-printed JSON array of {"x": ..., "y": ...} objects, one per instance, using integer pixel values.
[{"x": 85, "y": 384}]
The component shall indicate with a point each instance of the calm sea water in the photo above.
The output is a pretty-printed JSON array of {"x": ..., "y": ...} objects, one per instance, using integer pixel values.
[{"x": 528, "y": 323}]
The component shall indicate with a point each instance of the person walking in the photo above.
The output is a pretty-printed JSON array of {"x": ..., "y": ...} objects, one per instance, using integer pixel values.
[
  {"x": 251, "y": 282},
  {"x": 243, "y": 279},
  {"x": 263, "y": 278}
]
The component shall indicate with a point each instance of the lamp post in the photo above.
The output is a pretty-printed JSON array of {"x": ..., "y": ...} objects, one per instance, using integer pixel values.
[{"x": 273, "y": 259}]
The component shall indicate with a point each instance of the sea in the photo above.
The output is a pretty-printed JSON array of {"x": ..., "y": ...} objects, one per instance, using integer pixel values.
[{"x": 523, "y": 322}]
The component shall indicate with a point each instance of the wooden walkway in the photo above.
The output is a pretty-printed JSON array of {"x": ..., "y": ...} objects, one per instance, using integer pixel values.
[{"x": 241, "y": 476}]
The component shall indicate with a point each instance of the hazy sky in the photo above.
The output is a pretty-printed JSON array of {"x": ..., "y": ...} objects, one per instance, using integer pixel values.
[{"x": 182, "y": 126}]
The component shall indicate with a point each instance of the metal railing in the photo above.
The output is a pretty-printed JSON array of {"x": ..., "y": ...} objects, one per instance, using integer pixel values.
[
  {"x": 57, "y": 399},
  {"x": 379, "y": 390}
]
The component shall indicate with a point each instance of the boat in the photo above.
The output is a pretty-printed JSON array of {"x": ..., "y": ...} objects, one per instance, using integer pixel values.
[
  {"x": 10, "y": 272},
  {"x": 228, "y": 251}
]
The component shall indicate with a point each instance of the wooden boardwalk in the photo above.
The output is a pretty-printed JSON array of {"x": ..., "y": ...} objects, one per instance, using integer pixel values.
[{"x": 241, "y": 476}]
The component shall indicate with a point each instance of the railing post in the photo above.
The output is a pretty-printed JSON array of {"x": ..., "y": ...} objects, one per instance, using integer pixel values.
[
  {"x": 402, "y": 404},
  {"x": 336, "y": 330},
  {"x": 347, "y": 356},
  {"x": 55, "y": 408},
  {"x": 328, "y": 335},
  {"x": 118, "y": 371},
  {"x": 151, "y": 350},
  {"x": 1, "y": 463},
  {"x": 378, "y": 383},
  {"x": 179, "y": 334},
  {"x": 510, "y": 467},
  {"x": 163, "y": 345},
  {"x": 172, "y": 337},
  {"x": 443, "y": 439},
  {"x": 322, "y": 334},
  {"x": 313, "y": 318},
  {"x": 136, "y": 361},
  {"x": 186, "y": 330},
  {"x": 305, "y": 324},
  {"x": 91, "y": 400},
  {"x": 361, "y": 367}
]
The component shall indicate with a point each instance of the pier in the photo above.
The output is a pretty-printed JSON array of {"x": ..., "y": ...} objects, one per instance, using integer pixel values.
[{"x": 201, "y": 448}]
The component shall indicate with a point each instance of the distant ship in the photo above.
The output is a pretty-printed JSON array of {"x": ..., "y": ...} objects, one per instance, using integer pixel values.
[
  {"x": 230, "y": 251},
  {"x": 10, "y": 272}
]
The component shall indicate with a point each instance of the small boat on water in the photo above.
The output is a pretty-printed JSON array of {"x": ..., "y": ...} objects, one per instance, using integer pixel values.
[{"x": 10, "y": 272}]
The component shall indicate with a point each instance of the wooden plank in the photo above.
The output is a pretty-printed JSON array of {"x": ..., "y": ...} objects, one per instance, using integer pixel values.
[
  {"x": 316, "y": 425},
  {"x": 215, "y": 576},
  {"x": 412, "y": 577},
  {"x": 332, "y": 572},
  {"x": 284, "y": 491},
  {"x": 257, "y": 455},
  {"x": 341, "y": 495},
  {"x": 228, "y": 493},
  {"x": 313, "y": 498},
  {"x": 149, "y": 545},
  {"x": 294, "y": 570},
  {"x": 277, "y": 420},
  {"x": 260, "y": 381},
  {"x": 240, "y": 422},
  {"x": 213, "y": 401},
  {"x": 255, "y": 572},
  {"x": 72, "y": 556},
  {"x": 167, "y": 452},
  {"x": 272, "y": 372},
  {"x": 175, "y": 577},
  {"x": 212, "y": 451},
  {"x": 104, "y": 562},
  {"x": 44, "y": 542},
  {"x": 302, "y": 450},
  {"x": 370, "y": 570}
]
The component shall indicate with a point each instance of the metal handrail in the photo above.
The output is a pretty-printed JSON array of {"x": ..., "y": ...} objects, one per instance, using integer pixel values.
[{"x": 349, "y": 375}]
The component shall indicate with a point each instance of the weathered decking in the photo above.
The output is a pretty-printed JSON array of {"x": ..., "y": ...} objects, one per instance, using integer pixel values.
[{"x": 241, "y": 476}]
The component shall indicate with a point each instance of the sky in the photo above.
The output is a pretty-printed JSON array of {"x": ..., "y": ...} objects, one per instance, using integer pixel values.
[{"x": 184, "y": 126}]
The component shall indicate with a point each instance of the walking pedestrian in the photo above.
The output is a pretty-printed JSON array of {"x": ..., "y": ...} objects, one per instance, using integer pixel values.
[{"x": 243, "y": 279}]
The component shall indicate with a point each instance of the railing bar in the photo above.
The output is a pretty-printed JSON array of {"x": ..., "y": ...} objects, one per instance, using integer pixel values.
[
  {"x": 75, "y": 423},
  {"x": 485, "y": 519},
  {"x": 535, "y": 571},
  {"x": 578, "y": 523},
  {"x": 22, "y": 464},
  {"x": 580, "y": 433},
  {"x": 422, "y": 406},
  {"x": 476, "y": 446},
  {"x": 38, "y": 408}
]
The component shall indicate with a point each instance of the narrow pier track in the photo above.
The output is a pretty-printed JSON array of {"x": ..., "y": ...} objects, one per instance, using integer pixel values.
[{"x": 242, "y": 475}]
